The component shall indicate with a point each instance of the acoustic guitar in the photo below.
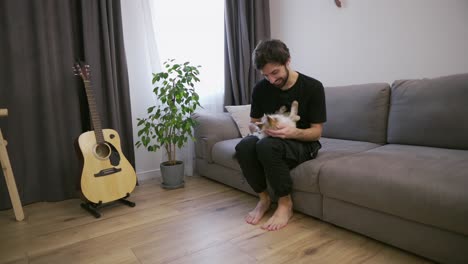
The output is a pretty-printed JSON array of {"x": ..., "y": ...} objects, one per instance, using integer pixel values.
[{"x": 107, "y": 175}]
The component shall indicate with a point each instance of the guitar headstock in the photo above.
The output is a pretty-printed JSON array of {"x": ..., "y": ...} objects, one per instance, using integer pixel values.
[{"x": 81, "y": 69}]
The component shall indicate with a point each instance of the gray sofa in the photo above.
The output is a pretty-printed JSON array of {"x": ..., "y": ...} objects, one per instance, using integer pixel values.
[{"x": 393, "y": 166}]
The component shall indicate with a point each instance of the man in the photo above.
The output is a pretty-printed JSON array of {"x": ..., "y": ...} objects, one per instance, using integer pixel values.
[{"x": 271, "y": 158}]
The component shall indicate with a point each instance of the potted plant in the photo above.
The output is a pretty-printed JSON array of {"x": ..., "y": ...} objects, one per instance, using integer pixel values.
[{"x": 169, "y": 123}]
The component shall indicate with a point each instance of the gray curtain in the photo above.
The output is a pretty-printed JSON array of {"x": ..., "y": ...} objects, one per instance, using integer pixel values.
[
  {"x": 39, "y": 42},
  {"x": 246, "y": 23}
]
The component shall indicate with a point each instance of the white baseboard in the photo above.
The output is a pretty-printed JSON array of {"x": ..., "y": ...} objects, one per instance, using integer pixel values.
[
  {"x": 146, "y": 175},
  {"x": 154, "y": 174}
]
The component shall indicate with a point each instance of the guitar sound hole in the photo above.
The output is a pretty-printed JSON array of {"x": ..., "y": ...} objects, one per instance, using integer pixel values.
[{"x": 102, "y": 151}]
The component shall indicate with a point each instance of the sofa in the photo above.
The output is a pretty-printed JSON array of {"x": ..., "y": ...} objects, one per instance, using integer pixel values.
[{"x": 393, "y": 164}]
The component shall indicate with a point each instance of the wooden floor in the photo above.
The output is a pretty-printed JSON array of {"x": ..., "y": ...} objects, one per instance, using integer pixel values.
[{"x": 201, "y": 223}]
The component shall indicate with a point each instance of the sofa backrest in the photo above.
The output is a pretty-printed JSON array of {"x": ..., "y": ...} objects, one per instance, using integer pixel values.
[
  {"x": 357, "y": 112},
  {"x": 430, "y": 112}
]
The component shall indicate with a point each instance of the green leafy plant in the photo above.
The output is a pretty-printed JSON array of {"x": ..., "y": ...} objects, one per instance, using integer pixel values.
[{"x": 170, "y": 123}]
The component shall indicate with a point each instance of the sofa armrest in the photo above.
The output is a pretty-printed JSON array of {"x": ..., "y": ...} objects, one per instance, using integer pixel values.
[{"x": 212, "y": 128}]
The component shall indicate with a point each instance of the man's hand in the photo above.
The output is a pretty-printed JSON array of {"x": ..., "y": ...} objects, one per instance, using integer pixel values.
[
  {"x": 312, "y": 133},
  {"x": 284, "y": 132}
]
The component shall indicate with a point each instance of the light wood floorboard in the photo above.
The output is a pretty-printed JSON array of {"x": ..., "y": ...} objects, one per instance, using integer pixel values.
[{"x": 201, "y": 223}]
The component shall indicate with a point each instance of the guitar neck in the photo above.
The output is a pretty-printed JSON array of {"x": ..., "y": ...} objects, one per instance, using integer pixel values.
[{"x": 94, "y": 113}]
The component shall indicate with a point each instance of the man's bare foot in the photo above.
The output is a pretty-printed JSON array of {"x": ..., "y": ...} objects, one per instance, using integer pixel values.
[
  {"x": 281, "y": 216},
  {"x": 254, "y": 216}
]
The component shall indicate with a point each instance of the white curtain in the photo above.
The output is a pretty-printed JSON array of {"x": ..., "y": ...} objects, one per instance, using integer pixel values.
[
  {"x": 154, "y": 34},
  {"x": 142, "y": 60},
  {"x": 192, "y": 34}
]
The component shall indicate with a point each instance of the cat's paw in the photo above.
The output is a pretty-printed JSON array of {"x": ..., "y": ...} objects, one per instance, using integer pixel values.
[
  {"x": 253, "y": 128},
  {"x": 282, "y": 110}
]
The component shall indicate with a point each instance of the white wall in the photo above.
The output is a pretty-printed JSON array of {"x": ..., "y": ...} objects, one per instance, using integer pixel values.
[
  {"x": 140, "y": 77},
  {"x": 373, "y": 40}
]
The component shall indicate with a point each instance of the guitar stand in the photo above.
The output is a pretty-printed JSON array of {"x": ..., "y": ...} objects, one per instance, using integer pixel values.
[{"x": 93, "y": 208}]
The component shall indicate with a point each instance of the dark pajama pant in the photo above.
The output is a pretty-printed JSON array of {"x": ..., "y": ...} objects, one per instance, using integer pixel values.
[{"x": 271, "y": 159}]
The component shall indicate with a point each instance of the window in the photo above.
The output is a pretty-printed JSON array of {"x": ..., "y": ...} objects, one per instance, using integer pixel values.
[{"x": 187, "y": 30}]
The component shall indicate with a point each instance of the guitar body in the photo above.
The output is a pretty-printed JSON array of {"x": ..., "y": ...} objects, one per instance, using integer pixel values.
[{"x": 107, "y": 175}]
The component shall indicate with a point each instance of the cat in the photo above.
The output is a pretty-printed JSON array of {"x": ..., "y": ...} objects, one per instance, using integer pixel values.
[{"x": 273, "y": 121}]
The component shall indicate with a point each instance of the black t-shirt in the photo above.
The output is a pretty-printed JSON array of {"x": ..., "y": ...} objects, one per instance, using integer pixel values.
[{"x": 307, "y": 91}]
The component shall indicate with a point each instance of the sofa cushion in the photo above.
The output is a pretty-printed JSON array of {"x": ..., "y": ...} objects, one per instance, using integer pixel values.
[
  {"x": 241, "y": 115},
  {"x": 423, "y": 184},
  {"x": 430, "y": 112},
  {"x": 223, "y": 153},
  {"x": 305, "y": 176},
  {"x": 212, "y": 128},
  {"x": 357, "y": 112}
]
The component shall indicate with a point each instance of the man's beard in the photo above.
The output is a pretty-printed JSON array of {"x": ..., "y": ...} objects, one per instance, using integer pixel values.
[{"x": 284, "y": 81}]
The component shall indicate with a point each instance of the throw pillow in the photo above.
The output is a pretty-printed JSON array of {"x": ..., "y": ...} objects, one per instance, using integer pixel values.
[{"x": 241, "y": 116}]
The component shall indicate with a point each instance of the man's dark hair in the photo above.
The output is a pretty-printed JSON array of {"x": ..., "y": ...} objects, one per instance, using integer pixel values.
[{"x": 270, "y": 51}]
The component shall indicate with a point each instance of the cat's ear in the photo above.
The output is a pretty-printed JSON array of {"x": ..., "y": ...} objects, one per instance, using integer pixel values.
[
  {"x": 272, "y": 121},
  {"x": 269, "y": 119}
]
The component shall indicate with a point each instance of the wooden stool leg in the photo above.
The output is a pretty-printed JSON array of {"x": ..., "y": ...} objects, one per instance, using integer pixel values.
[{"x": 10, "y": 180}]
